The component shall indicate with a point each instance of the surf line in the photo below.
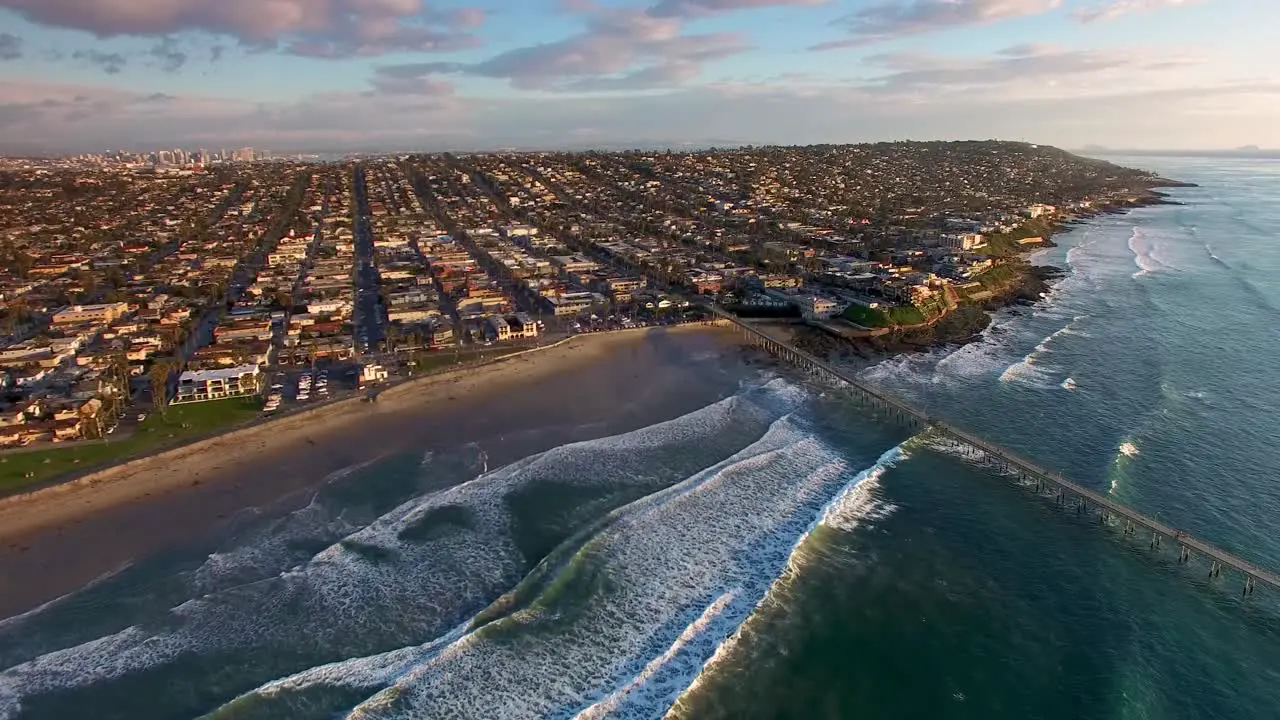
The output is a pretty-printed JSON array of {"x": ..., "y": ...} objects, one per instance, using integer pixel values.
[{"x": 861, "y": 484}]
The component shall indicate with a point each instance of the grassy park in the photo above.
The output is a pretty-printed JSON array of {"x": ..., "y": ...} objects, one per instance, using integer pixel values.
[
  {"x": 894, "y": 316},
  {"x": 181, "y": 423}
]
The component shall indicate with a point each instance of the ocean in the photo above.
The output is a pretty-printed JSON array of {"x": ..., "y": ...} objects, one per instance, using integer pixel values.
[{"x": 780, "y": 552}]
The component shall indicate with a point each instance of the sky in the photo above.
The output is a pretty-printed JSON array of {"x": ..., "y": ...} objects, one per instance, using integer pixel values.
[{"x": 397, "y": 75}]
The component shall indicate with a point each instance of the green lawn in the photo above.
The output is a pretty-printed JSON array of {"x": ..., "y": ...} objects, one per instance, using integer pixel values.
[
  {"x": 866, "y": 317},
  {"x": 182, "y": 423},
  {"x": 898, "y": 315},
  {"x": 444, "y": 359},
  {"x": 1006, "y": 244},
  {"x": 997, "y": 277},
  {"x": 905, "y": 315}
]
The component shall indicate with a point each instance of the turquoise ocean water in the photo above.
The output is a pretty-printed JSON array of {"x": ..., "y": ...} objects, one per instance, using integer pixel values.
[{"x": 778, "y": 553}]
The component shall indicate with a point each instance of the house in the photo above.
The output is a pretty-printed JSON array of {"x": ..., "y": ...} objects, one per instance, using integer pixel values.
[
  {"x": 203, "y": 385},
  {"x": 12, "y": 416},
  {"x": 572, "y": 303},
  {"x": 498, "y": 328},
  {"x": 236, "y": 330},
  {"x": 442, "y": 334},
  {"x": 817, "y": 307},
  {"x": 12, "y": 435},
  {"x": 523, "y": 326},
  {"x": 71, "y": 428}
]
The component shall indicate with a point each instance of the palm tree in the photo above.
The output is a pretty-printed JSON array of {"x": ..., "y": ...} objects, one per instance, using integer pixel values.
[
  {"x": 160, "y": 372},
  {"x": 393, "y": 336}
]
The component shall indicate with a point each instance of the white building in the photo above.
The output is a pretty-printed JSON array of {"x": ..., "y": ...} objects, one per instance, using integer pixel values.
[
  {"x": 373, "y": 374},
  {"x": 963, "y": 241},
  {"x": 90, "y": 313},
  {"x": 202, "y": 385},
  {"x": 336, "y": 306},
  {"x": 510, "y": 231},
  {"x": 816, "y": 307}
]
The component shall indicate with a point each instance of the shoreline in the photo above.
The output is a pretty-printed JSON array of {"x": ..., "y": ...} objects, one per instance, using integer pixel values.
[
  {"x": 96, "y": 474},
  {"x": 589, "y": 386},
  {"x": 966, "y": 323}
]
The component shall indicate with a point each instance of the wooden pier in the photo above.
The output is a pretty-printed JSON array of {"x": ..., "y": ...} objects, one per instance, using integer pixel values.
[{"x": 1065, "y": 492}]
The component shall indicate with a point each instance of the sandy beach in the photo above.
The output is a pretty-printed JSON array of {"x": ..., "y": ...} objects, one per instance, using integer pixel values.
[{"x": 56, "y": 540}]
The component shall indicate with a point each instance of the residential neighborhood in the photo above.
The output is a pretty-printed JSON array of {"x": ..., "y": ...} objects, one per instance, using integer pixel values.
[{"x": 130, "y": 285}]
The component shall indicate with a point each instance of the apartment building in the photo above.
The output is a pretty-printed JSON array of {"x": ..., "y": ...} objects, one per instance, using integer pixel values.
[{"x": 204, "y": 385}]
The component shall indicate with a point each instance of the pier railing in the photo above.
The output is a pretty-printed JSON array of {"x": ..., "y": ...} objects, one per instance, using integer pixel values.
[{"x": 1067, "y": 492}]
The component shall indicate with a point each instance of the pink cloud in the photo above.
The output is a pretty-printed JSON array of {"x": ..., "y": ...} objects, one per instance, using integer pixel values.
[
  {"x": 1118, "y": 8},
  {"x": 326, "y": 28},
  {"x": 889, "y": 20}
]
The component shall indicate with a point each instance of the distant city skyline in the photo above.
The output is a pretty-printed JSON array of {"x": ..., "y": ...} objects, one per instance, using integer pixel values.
[{"x": 81, "y": 76}]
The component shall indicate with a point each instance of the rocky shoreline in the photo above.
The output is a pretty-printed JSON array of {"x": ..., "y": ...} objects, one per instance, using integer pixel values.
[
  {"x": 967, "y": 323},
  {"x": 960, "y": 327}
]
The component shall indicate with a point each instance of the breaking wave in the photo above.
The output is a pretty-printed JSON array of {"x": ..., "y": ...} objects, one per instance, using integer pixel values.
[
  {"x": 630, "y": 614},
  {"x": 1144, "y": 253},
  {"x": 1029, "y": 369},
  {"x": 416, "y": 571}
]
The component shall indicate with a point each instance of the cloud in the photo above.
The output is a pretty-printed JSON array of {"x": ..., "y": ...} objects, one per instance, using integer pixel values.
[
  {"x": 618, "y": 50},
  {"x": 167, "y": 55},
  {"x": 1118, "y": 8},
  {"x": 10, "y": 47},
  {"x": 1023, "y": 73},
  {"x": 45, "y": 117},
  {"x": 889, "y": 20},
  {"x": 111, "y": 63},
  {"x": 405, "y": 80},
  {"x": 1014, "y": 64},
  {"x": 316, "y": 28},
  {"x": 700, "y": 8},
  {"x": 40, "y": 117}
]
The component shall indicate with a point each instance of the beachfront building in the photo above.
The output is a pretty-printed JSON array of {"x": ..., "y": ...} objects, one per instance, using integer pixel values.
[
  {"x": 523, "y": 326},
  {"x": 498, "y": 328},
  {"x": 816, "y": 307},
  {"x": 204, "y": 385},
  {"x": 370, "y": 374},
  {"x": 572, "y": 303}
]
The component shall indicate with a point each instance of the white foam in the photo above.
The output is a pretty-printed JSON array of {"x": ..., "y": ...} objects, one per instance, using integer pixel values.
[
  {"x": 1142, "y": 248},
  {"x": 418, "y": 587},
  {"x": 854, "y": 504},
  {"x": 641, "y": 681},
  {"x": 1029, "y": 369},
  {"x": 684, "y": 569}
]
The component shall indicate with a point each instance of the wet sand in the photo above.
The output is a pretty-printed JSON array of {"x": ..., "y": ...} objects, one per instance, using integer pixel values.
[{"x": 56, "y": 540}]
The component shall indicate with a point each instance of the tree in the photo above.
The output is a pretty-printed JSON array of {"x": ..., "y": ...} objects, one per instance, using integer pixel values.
[
  {"x": 160, "y": 373},
  {"x": 118, "y": 372},
  {"x": 393, "y": 337}
]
